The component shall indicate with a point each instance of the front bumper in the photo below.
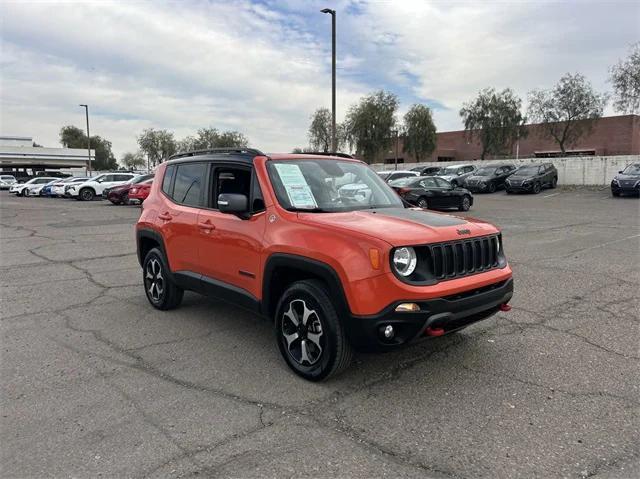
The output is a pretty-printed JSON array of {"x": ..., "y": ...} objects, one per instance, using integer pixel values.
[
  {"x": 525, "y": 187},
  {"x": 625, "y": 188},
  {"x": 448, "y": 313}
]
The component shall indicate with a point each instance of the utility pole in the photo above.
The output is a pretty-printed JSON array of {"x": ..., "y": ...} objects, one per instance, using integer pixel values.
[
  {"x": 334, "y": 146},
  {"x": 86, "y": 110},
  {"x": 397, "y": 133}
]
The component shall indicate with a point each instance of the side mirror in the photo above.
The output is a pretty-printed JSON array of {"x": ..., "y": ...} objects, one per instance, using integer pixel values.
[
  {"x": 233, "y": 203},
  {"x": 620, "y": 171}
]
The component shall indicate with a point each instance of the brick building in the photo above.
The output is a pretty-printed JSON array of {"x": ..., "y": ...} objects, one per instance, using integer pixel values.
[{"x": 613, "y": 135}]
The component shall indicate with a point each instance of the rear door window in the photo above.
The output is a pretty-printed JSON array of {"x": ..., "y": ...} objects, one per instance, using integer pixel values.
[{"x": 188, "y": 185}]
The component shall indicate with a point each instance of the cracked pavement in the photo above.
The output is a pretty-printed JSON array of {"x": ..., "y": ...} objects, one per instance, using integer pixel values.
[{"x": 96, "y": 382}]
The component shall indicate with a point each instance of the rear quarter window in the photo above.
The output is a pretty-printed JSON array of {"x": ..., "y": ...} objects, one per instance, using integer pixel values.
[{"x": 167, "y": 181}]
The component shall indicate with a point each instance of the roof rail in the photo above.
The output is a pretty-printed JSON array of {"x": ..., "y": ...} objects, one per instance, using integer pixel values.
[
  {"x": 237, "y": 151},
  {"x": 325, "y": 153}
]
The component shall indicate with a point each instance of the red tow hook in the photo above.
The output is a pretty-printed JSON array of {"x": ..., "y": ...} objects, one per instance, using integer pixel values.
[
  {"x": 505, "y": 307},
  {"x": 434, "y": 331}
]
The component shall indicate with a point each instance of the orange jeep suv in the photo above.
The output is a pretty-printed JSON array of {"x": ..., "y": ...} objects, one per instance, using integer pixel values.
[{"x": 321, "y": 246}]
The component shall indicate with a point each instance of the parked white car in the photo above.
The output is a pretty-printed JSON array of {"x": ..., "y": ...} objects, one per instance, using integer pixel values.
[
  {"x": 19, "y": 188},
  {"x": 7, "y": 181},
  {"x": 58, "y": 188},
  {"x": 93, "y": 187},
  {"x": 35, "y": 190}
]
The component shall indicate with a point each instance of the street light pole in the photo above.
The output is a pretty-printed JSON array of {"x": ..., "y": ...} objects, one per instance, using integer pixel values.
[
  {"x": 86, "y": 110},
  {"x": 396, "y": 133},
  {"x": 334, "y": 146}
]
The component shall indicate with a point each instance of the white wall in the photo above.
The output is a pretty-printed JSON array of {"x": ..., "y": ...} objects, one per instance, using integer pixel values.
[{"x": 584, "y": 170}]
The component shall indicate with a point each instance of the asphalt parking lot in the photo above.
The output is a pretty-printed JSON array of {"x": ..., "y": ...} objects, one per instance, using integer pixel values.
[{"x": 97, "y": 383}]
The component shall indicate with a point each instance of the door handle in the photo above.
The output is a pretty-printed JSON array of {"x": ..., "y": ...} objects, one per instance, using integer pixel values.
[
  {"x": 206, "y": 226},
  {"x": 164, "y": 216}
]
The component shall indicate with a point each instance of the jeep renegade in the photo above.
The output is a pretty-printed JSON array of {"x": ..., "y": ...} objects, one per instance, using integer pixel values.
[{"x": 334, "y": 268}]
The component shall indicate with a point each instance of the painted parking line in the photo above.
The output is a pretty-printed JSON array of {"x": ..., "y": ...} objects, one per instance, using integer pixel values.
[{"x": 549, "y": 196}]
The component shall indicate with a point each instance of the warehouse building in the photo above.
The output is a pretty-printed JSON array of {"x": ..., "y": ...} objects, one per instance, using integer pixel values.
[
  {"x": 19, "y": 157},
  {"x": 610, "y": 136}
]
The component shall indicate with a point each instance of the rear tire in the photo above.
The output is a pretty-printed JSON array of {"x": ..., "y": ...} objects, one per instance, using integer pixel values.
[
  {"x": 492, "y": 188},
  {"x": 309, "y": 333},
  {"x": 161, "y": 291},
  {"x": 465, "y": 203},
  {"x": 554, "y": 182}
]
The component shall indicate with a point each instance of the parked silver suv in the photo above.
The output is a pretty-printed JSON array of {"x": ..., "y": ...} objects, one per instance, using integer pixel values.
[{"x": 456, "y": 174}]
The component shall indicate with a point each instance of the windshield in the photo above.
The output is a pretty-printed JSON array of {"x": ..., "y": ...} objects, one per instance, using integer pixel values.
[
  {"x": 527, "y": 170},
  {"x": 452, "y": 170},
  {"x": 314, "y": 185},
  {"x": 486, "y": 171},
  {"x": 632, "y": 169},
  {"x": 5, "y": 177}
]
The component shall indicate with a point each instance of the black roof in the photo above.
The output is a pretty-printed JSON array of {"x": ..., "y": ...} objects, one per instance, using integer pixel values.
[{"x": 244, "y": 155}]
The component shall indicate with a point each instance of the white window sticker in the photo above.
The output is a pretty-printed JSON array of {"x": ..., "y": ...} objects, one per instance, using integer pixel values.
[{"x": 296, "y": 186}]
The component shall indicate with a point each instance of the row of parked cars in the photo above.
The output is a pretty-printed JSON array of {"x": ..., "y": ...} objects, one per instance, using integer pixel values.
[{"x": 117, "y": 187}]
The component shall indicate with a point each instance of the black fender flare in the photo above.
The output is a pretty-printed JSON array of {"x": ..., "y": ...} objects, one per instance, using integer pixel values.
[
  {"x": 307, "y": 265},
  {"x": 153, "y": 235}
]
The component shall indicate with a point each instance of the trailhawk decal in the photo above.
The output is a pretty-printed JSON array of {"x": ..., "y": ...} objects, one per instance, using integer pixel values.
[{"x": 420, "y": 216}]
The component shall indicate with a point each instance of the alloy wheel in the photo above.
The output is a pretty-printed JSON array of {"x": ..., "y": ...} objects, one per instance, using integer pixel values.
[
  {"x": 154, "y": 281},
  {"x": 466, "y": 203},
  {"x": 302, "y": 333},
  {"x": 422, "y": 203}
]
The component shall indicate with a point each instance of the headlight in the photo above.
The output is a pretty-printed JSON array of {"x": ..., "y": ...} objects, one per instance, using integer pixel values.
[
  {"x": 404, "y": 261},
  {"x": 615, "y": 181}
]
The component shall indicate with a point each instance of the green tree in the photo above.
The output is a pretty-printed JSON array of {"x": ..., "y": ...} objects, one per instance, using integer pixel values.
[
  {"x": 158, "y": 145},
  {"x": 494, "y": 118},
  {"x": 419, "y": 132},
  {"x": 320, "y": 130},
  {"x": 207, "y": 138},
  {"x": 625, "y": 77},
  {"x": 133, "y": 160},
  {"x": 73, "y": 137},
  {"x": 568, "y": 111},
  {"x": 369, "y": 124}
]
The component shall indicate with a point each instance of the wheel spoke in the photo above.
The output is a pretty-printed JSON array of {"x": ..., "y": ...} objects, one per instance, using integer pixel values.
[
  {"x": 291, "y": 315},
  {"x": 315, "y": 339},
  {"x": 306, "y": 313},
  {"x": 149, "y": 273},
  {"x": 305, "y": 352},
  {"x": 290, "y": 338},
  {"x": 151, "y": 288}
]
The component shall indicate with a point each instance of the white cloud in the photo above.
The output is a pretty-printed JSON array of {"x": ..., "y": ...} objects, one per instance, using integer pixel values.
[{"x": 264, "y": 68}]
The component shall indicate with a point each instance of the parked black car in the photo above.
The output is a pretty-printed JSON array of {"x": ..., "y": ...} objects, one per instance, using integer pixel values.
[
  {"x": 427, "y": 170},
  {"x": 433, "y": 193},
  {"x": 532, "y": 178},
  {"x": 627, "y": 181},
  {"x": 488, "y": 179}
]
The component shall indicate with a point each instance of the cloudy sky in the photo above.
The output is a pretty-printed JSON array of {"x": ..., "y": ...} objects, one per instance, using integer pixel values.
[{"x": 262, "y": 67}]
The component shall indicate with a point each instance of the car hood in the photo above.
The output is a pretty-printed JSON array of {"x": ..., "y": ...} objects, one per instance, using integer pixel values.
[
  {"x": 479, "y": 178},
  {"x": 520, "y": 177},
  {"x": 621, "y": 176},
  {"x": 402, "y": 226},
  {"x": 448, "y": 177}
]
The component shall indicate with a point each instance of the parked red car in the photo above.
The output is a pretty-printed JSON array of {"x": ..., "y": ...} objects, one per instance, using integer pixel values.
[
  {"x": 140, "y": 191},
  {"x": 120, "y": 194}
]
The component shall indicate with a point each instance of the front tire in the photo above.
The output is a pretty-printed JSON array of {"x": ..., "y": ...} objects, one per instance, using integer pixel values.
[
  {"x": 86, "y": 194},
  {"x": 160, "y": 289},
  {"x": 536, "y": 188},
  {"x": 492, "y": 188},
  {"x": 465, "y": 203},
  {"x": 310, "y": 336}
]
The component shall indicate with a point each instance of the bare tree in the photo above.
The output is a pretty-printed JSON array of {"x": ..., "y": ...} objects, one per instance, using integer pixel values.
[
  {"x": 568, "y": 111},
  {"x": 625, "y": 77}
]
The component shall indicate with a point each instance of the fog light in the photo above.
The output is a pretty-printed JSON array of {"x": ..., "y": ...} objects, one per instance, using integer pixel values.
[
  {"x": 407, "y": 307},
  {"x": 389, "y": 332}
]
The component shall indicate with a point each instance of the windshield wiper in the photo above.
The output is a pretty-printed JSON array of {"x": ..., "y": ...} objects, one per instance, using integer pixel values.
[{"x": 308, "y": 210}]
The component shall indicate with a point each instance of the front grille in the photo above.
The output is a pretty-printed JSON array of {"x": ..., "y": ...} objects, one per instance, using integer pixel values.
[{"x": 461, "y": 258}]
